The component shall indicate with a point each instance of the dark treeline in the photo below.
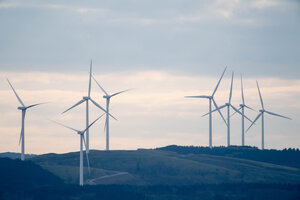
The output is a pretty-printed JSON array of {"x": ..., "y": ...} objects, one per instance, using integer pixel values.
[{"x": 287, "y": 157}]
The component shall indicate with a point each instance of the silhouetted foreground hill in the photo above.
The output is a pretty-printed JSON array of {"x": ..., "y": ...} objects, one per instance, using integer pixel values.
[
  {"x": 287, "y": 157},
  {"x": 17, "y": 175},
  {"x": 162, "y": 192}
]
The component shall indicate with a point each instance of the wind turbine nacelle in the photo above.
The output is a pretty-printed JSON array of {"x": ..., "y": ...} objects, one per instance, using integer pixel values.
[
  {"x": 261, "y": 111},
  {"x": 85, "y": 98},
  {"x": 21, "y": 108},
  {"x": 106, "y": 97}
]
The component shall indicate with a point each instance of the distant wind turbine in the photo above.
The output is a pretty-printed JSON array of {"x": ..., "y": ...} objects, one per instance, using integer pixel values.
[
  {"x": 87, "y": 99},
  {"x": 228, "y": 105},
  {"x": 82, "y": 141},
  {"x": 107, "y": 97},
  {"x": 243, "y": 106},
  {"x": 211, "y": 99},
  {"x": 261, "y": 114},
  {"x": 23, "y": 108}
]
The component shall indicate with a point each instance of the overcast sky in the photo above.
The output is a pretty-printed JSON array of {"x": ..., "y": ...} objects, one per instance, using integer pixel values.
[{"x": 164, "y": 50}]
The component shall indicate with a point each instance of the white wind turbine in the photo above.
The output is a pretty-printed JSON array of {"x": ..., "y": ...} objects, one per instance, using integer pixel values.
[
  {"x": 82, "y": 141},
  {"x": 107, "y": 97},
  {"x": 211, "y": 99},
  {"x": 261, "y": 114},
  {"x": 23, "y": 108},
  {"x": 87, "y": 99},
  {"x": 242, "y": 107},
  {"x": 228, "y": 105}
]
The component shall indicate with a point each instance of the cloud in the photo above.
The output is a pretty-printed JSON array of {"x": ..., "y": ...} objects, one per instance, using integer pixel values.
[{"x": 260, "y": 4}]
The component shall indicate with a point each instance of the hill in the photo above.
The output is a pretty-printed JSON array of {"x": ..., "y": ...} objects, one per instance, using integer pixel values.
[
  {"x": 149, "y": 174},
  {"x": 13, "y": 155},
  {"x": 21, "y": 175},
  {"x": 152, "y": 167},
  {"x": 287, "y": 157}
]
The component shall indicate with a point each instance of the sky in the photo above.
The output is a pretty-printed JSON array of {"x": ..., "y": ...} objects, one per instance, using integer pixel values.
[{"x": 163, "y": 51}]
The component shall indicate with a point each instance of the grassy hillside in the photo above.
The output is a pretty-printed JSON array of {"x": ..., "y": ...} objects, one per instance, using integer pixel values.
[
  {"x": 152, "y": 167},
  {"x": 152, "y": 175},
  {"x": 288, "y": 157}
]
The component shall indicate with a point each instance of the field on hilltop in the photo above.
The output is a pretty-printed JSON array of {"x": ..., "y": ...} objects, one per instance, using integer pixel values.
[{"x": 152, "y": 167}]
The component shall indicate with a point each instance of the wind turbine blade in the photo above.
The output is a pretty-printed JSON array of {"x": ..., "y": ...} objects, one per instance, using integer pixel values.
[
  {"x": 202, "y": 96},
  {"x": 236, "y": 110},
  {"x": 100, "y": 86},
  {"x": 89, "y": 93},
  {"x": 277, "y": 115},
  {"x": 250, "y": 108},
  {"x": 78, "y": 103},
  {"x": 219, "y": 110},
  {"x": 254, "y": 121},
  {"x": 230, "y": 94},
  {"x": 96, "y": 104},
  {"x": 242, "y": 90},
  {"x": 93, "y": 123},
  {"x": 19, "y": 99},
  {"x": 87, "y": 155},
  {"x": 119, "y": 92},
  {"x": 261, "y": 101},
  {"x": 65, "y": 126},
  {"x": 33, "y": 105},
  {"x": 219, "y": 82}
]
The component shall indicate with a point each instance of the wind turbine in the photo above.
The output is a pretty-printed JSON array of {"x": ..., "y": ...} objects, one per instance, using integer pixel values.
[
  {"x": 23, "y": 108},
  {"x": 228, "y": 105},
  {"x": 242, "y": 107},
  {"x": 211, "y": 99},
  {"x": 261, "y": 114},
  {"x": 87, "y": 99},
  {"x": 107, "y": 97},
  {"x": 82, "y": 141}
]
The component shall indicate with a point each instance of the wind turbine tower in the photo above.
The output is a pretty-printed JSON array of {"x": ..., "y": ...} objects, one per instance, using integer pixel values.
[
  {"x": 228, "y": 105},
  {"x": 23, "y": 108},
  {"x": 87, "y": 99},
  {"x": 107, "y": 97},
  {"x": 211, "y": 99},
  {"x": 82, "y": 141},
  {"x": 261, "y": 114},
  {"x": 243, "y": 106}
]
